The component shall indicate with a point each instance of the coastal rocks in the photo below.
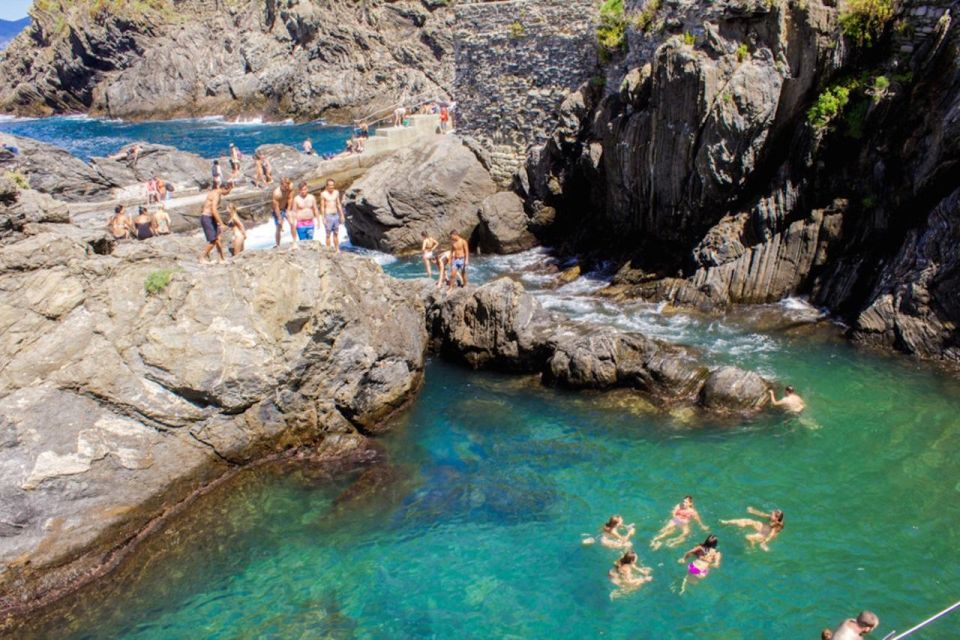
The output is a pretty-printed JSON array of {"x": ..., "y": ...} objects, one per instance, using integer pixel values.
[
  {"x": 434, "y": 187},
  {"x": 129, "y": 380},
  {"x": 181, "y": 168},
  {"x": 287, "y": 59},
  {"x": 52, "y": 170},
  {"x": 500, "y": 326},
  {"x": 22, "y": 207},
  {"x": 504, "y": 225}
]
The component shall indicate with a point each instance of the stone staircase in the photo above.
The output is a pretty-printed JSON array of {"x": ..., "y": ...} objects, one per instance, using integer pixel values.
[{"x": 387, "y": 139}]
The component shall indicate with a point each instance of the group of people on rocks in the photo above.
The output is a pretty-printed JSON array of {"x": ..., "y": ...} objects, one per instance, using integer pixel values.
[
  {"x": 140, "y": 227},
  {"x": 628, "y": 574},
  {"x": 263, "y": 171},
  {"x": 212, "y": 224},
  {"x": 451, "y": 263}
]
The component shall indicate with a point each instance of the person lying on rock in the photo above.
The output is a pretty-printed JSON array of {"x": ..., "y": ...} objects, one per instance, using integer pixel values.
[{"x": 791, "y": 402}]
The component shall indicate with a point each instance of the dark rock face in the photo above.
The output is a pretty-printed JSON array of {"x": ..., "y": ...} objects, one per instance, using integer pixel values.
[
  {"x": 701, "y": 165},
  {"x": 504, "y": 225},
  {"x": 435, "y": 186},
  {"x": 117, "y": 403},
  {"x": 52, "y": 170},
  {"x": 190, "y": 57},
  {"x": 500, "y": 326}
]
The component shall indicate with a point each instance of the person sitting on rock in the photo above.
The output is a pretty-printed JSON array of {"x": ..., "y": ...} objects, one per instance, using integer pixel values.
[
  {"x": 791, "y": 402},
  {"x": 162, "y": 220},
  {"x": 119, "y": 225},
  {"x": 145, "y": 226}
]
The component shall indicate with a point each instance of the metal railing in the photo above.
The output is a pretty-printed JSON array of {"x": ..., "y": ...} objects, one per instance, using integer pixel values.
[{"x": 894, "y": 636}]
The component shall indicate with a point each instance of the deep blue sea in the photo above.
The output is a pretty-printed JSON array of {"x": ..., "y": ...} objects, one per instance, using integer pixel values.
[{"x": 207, "y": 137}]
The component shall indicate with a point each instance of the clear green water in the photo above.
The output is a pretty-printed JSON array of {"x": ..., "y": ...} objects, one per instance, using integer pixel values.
[
  {"x": 478, "y": 534},
  {"x": 492, "y": 479}
]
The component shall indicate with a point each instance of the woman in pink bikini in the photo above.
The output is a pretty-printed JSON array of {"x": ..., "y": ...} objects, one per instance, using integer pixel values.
[
  {"x": 682, "y": 514},
  {"x": 705, "y": 557}
]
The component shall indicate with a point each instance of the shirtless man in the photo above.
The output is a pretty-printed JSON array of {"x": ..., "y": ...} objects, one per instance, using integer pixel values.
[
  {"x": 851, "y": 629},
  {"x": 332, "y": 209},
  {"x": 211, "y": 222},
  {"x": 120, "y": 225},
  {"x": 459, "y": 259},
  {"x": 791, "y": 402},
  {"x": 305, "y": 214},
  {"x": 283, "y": 203},
  {"x": 427, "y": 248}
]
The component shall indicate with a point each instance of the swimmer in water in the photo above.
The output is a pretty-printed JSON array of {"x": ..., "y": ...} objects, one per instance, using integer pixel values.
[
  {"x": 790, "y": 402},
  {"x": 682, "y": 514},
  {"x": 763, "y": 532},
  {"x": 611, "y": 536},
  {"x": 705, "y": 557},
  {"x": 628, "y": 575}
]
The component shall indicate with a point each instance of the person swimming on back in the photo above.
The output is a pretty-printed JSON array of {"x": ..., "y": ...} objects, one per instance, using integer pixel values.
[
  {"x": 611, "y": 536},
  {"x": 628, "y": 575},
  {"x": 791, "y": 402},
  {"x": 705, "y": 557},
  {"x": 764, "y": 532},
  {"x": 682, "y": 514}
]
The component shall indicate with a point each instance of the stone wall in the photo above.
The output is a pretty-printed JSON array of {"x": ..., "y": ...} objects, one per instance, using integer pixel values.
[{"x": 515, "y": 61}]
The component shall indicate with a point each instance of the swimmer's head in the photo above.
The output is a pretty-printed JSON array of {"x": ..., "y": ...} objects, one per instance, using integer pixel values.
[
  {"x": 777, "y": 516},
  {"x": 628, "y": 558},
  {"x": 868, "y": 621},
  {"x": 710, "y": 543},
  {"x": 687, "y": 501},
  {"x": 826, "y": 634},
  {"x": 790, "y": 390},
  {"x": 614, "y": 521}
]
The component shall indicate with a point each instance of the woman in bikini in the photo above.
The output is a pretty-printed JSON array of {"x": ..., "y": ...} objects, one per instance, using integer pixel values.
[
  {"x": 628, "y": 575},
  {"x": 611, "y": 536},
  {"x": 763, "y": 532},
  {"x": 682, "y": 514},
  {"x": 427, "y": 247},
  {"x": 705, "y": 557},
  {"x": 239, "y": 231}
]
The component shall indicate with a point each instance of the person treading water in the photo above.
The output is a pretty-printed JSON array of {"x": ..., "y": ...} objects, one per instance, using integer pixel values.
[
  {"x": 628, "y": 575},
  {"x": 682, "y": 514},
  {"x": 705, "y": 557},
  {"x": 764, "y": 532},
  {"x": 791, "y": 402},
  {"x": 610, "y": 535}
]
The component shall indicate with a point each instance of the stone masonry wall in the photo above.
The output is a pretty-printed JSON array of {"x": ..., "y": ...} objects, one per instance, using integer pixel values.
[{"x": 515, "y": 62}]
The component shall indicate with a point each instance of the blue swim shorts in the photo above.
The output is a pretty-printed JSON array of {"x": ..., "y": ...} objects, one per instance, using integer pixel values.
[
  {"x": 332, "y": 222},
  {"x": 305, "y": 232},
  {"x": 279, "y": 221}
]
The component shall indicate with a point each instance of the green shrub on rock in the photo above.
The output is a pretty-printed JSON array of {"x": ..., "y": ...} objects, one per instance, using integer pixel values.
[
  {"x": 828, "y": 106},
  {"x": 864, "y": 21},
  {"x": 157, "y": 281},
  {"x": 612, "y": 30}
]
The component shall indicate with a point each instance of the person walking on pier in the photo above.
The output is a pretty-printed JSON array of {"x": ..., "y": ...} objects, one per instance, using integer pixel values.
[{"x": 331, "y": 208}]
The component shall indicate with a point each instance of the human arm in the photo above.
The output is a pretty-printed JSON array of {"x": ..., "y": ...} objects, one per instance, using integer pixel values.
[
  {"x": 340, "y": 208},
  {"x": 773, "y": 399},
  {"x": 696, "y": 516},
  {"x": 692, "y": 552},
  {"x": 757, "y": 512}
]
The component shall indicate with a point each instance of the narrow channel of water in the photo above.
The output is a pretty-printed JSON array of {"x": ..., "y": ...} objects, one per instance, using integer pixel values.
[{"x": 475, "y": 529}]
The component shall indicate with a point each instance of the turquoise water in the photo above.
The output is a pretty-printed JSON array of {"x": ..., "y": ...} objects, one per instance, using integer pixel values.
[
  {"x": 207, "y": 137},
  {"x": 474, "y": 528}
]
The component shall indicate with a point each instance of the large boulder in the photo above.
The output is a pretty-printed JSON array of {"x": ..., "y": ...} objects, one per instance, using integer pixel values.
[
  {"x": 504, "y": 225},
  {"x": 183, "y": 169},
  {"x": 129, "y": 380},
  {"x": 52, "y": 170},
  {"x": 435, "y": 186},
  {"x": 733, "y": 390}
]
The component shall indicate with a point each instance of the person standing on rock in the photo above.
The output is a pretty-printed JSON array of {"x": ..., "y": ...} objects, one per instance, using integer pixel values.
[
  {"x": 267, "y": 169},
  {"x": 217, "y": 173},
  {"x": 119, "y": 225},
  {"x": 427, "y": 247},
  {"x": 234, "y": 163},
  {"x": 308, "y": 147},
  {"x": 239, "y": 230},
  {"x": 398, "y": 115},
  {"x": 306, "y": 214},
  {"x": 459, "y": 259},
  {"x": 791, "y": 402},
  {"x": 211, "y": 222},
  {"x": 259, "y": 179},
  {"x": 443, "y": 264},
  {"x": 331, "y": 207},
  {"x": 282, "y": 203}
]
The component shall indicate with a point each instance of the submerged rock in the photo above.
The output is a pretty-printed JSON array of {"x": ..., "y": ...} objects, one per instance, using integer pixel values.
[{"x": 128, "y": 380}]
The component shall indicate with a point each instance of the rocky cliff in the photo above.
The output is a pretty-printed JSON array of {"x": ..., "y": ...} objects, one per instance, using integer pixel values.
[
  {"x": 283, "y": 58},
  {"x": 742, "y": 151}
]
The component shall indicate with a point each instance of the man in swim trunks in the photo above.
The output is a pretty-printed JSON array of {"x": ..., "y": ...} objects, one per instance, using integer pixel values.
[
  {"x": 851, "y": 629},
  {"x": 427, "y": 248},
  {"x": 332, "y": 209},
  {"x": 459, "y": 259},
  {"x": 234, "y": 163},
  {"x": 120, "y": 225},
  {"x": 282, "y": 203},
  {"x": 305, "y": 214},
  {"x": 791, "y": 402},
  {"x": 211, "y": 222}
]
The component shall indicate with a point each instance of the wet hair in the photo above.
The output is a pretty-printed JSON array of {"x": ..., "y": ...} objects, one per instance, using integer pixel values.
[
  {"x": 142, "y": 210},
  {"x": 868, "y": 619},
  {"x": 301, "y": 185},
  {"x": 423, "y": 234},
  {"x": 710, "y": 543},
  {"x": 690, "y": 498},
  {"x": 826, "y": 634},
  {"x": 629, "y": 557},
  {"x": 611, "y": 523},
  {"x": 777, "y": 515},
  {"x": 216, "y": 162},
  {"x": 118, "y": 209},
  {"x": 789, "y": 389}
]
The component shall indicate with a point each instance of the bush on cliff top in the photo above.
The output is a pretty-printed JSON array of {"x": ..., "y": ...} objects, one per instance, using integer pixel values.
[
  {"x": 612, "y": 30},
  {"x": 864, "y": 21},
  {"x": 828, "y": 106}
]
